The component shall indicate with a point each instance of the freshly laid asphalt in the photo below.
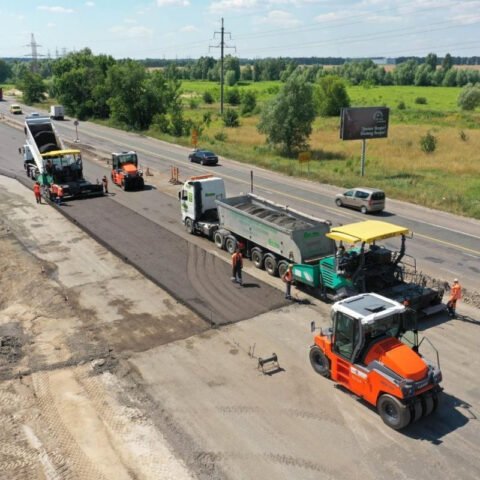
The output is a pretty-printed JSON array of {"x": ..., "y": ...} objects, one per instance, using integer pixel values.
[{"x": 192, "y": 275}]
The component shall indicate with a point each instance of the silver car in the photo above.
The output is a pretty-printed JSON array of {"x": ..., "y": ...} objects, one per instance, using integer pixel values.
[{"x": 364, "y": 199}]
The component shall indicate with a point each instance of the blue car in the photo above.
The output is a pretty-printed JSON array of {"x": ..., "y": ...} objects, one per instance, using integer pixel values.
[{"x": 205, "y": 157}]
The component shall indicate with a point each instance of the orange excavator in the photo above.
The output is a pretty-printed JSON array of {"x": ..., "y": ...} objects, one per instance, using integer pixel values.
[
  {"x": 368, "y": 351},
  {"x": 125, "y": 172}
]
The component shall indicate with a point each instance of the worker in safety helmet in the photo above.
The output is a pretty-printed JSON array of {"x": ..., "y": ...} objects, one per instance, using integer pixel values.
[
  {"x": 288, "y": 279},
  {"x": 455, "y": 294},
  {"x": 37, "y": 192}
]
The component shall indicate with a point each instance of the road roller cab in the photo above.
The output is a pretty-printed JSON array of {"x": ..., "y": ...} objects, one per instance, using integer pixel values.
[
  {"x": 125, "y": 172},
  {"x": 372, "y": 350}
]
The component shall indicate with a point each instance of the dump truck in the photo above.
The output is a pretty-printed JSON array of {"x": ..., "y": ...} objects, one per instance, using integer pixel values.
[
  {"x": 372, "y": 350},
  {"x": 47, "y": 161},
  {"x": 271, "y": 235},
  {"x": 125, "y": 172},
  {"x": 274, "y": 236}
]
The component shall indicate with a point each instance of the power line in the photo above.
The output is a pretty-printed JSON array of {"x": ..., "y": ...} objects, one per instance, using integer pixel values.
[
  {"x": 34, "y": 55},
  {"x": 222, "y": 47}
]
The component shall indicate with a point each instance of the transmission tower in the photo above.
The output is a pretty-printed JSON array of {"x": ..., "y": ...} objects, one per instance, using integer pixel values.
[
  {"x": 34, "y": 55},
  {"x": 222, "y": 47}
]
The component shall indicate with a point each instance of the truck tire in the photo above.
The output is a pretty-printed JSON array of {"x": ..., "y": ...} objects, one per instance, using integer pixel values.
[
  {"x": 428, "y": 404},
  {"x": 257, "y": 257},
  {"x": 319, "y": 361},
  {"x": 282, "y": 268},
  {"x": 271, "y": 265},
  {"x": 393, "y": 412},
  {"x": 230, "y": 245},
  {"x": 218, "y": 240},
  {"x": 189, "y": 226}
]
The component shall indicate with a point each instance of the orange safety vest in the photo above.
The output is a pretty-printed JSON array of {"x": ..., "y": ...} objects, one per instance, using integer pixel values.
[
  {"x": 237, "y": 259},
  {"x": 456, "y": 292},
  {"x": 288, "y": 276},
  {"x": 36, "y": 189}
]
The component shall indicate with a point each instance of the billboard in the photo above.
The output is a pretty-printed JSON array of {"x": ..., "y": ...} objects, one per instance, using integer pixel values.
[{"x": 364, "y": 123}]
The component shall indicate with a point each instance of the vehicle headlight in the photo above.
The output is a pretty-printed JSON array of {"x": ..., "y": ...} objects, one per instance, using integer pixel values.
[{"x": 407, "y": 388}]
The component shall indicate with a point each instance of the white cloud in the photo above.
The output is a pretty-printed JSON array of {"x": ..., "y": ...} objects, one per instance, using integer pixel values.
[
  {"x": 51, "y": 25},
  {"x": 189, "y": 29},
  {"x": 173, "y": 3},
  {"x": 57, "y": 9},
  {"x": 136, "y": 31},
  {"x": 131, "y": 21},
  {"x": 89, "y": 4},
  {"x": 333, "y": 16},
  {"x": 467, "y": 19},
  {"x": 279, "y": 18},
  {"x": 225, "y": 5}
]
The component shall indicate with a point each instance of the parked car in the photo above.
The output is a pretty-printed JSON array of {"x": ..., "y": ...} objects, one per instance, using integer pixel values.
[
  {"x": 364, "y": 199},
  {"x": 205, "y": 157},
  {"x": 15, "y": 109}
]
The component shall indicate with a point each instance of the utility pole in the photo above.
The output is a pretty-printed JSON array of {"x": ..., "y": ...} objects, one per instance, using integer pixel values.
[
  {"x": 222, "y": 47},
  {"x": 34, "y": 55}
]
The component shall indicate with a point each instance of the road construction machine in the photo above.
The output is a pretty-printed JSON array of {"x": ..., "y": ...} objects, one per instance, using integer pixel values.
[
  {"x": 368, "y": 351},
  {"x": 125, "y": 172},
  {"x": 47, "y": 161}
]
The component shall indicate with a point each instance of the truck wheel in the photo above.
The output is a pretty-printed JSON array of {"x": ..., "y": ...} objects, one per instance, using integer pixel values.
[
  {"x": 427, "y": 403},
  {"x": 364, "y": 210},
  {"x": 319, "y": 361},
  {"x": 257, "y": 257},
  {"x": 189, "y": 226},
  {"x": 282, "y": 268},
  {"x": 393, "y": 412},
  {"x": 219, "y": 240},
  {"x": 230, "y": 245},
  {"x": 271, "y": 265}
]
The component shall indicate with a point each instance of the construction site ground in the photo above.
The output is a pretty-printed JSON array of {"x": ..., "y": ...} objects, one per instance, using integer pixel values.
[{"x": 105, "y": 375}]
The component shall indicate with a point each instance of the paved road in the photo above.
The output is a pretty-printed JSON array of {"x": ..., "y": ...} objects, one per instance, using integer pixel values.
[{"x": 444, "y": 245}]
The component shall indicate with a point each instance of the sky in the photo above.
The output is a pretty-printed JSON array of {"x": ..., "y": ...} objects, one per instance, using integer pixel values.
[{"x": 257, "y": 28}]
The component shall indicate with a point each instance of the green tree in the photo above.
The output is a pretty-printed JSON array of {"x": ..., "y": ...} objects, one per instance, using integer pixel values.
[
  {"x": 287, "y": 119},
  {"x": 249, "y": 102},
  {"x": 230, "y": 78},
  {"x": 331, "y": 96},
  {"x": 232, "y": 63},
  {"x": 404, "y": 74},
  {"x": 431, "y": 60},
  {"x": 450, "y": 78},
  {"x": 5, "y": 71},
  {"x": 469, "y": 97},
  {"x": 33, "y": 88},
  {"x": 232, "y": 96},
  {"x": 423, "y": 75},
  {"x": 230, "y": 118},
  {"x": 447, "y": 62},
  {"x": 246, "y": 73}
]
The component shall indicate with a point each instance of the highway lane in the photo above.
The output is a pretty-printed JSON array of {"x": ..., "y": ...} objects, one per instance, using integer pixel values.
[{"x": 444, "y": 245}]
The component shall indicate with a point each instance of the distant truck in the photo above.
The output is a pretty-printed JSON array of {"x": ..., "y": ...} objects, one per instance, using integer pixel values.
[
  {"x": 57, "y": 112},
  {"x": 47, "y": 161},
  {"x": 125, "y": 172},
  {"x": 274, "y": 236}
]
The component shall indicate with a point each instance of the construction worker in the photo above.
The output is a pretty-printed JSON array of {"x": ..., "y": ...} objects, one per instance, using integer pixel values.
[
  {"x": 237, "y": 265},
  {"x": 37, "y": 192},
  {"x": 455, "y": 294},
  {"x": 105, "y": 184},
  {"x": 288, "y": 279},
  {"x": 59, "y": 195}
]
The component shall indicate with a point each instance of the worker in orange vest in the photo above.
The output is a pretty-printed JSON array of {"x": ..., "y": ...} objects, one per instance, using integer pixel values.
[
  {"x": 37, "y": 192},
  {"x": 455, "y": 294},
  {"x": 237, "y": 265},
  {"x": 288, "y": 279},
  {"x": 59, "y": 195}
]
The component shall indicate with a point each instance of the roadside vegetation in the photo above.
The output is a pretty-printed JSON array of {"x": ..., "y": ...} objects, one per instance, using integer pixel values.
[{"x": 275, "y": 109}]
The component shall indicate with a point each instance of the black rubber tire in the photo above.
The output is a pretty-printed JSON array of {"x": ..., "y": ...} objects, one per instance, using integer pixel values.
[
  {"x": 189, "y": 226},
  {"x": 271, "y": 265},
  {"x": 282, "y": 268},
  {"x": 364, "y": 210},
  {"x": 416, "y": 411},
  {"x": 230, "y": 245},
  {"x": 256, "y": 255},
  {"x": 427, "y": 404},
  {"x": 436, "y": 402},
  {"x": 190, "y": 158},
  {"x": 338, "y": 202},
  {"x": 219, "y": 240},
  {"x": 319, "y": 361},
  {"x": 393, "y": 412},
  {"x": 202, "y": 163},
  {"x": 141, "y": 184}
]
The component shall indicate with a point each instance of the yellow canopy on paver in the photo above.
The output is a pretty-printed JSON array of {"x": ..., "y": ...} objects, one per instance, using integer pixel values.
[
  {"x": 368, "y": 232},
  {"x": 59, "y": 153}
]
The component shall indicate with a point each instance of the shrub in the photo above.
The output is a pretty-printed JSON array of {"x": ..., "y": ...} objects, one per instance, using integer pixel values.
[
  {"x": 221, "y": 136},
  {"x": 193, "y": 103},
  {"x": 232, "y": 96},
  {"x": 469, "y": 97},
  {"x": 401, "y": 105},
  {"x": 421, "y": 101},
  {"x": 207, "y": 118},
  {"x": 230, "y": 118},
  {"x": 428, "y": 143},
  {"x": 463, "y": 136},
  {"x": 208, "y": 97},
  {"x": 249, "y": 102}
]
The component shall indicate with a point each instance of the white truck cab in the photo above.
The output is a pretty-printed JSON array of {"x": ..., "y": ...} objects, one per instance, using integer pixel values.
[{"x": 198, "y": 203}]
